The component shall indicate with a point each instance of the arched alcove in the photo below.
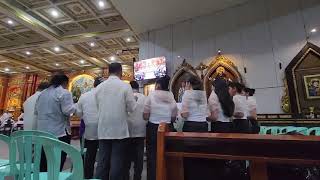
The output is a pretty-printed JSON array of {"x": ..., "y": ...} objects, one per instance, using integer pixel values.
[
  {"x": 303, "y": 79},
  {"x": 220, "y": 65},
  {"x": 80, "y": 84},
  {"x": 180, "y": 75}
]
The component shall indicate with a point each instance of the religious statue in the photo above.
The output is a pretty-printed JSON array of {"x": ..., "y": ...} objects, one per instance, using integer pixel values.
[{"x": 181, "y": 91}]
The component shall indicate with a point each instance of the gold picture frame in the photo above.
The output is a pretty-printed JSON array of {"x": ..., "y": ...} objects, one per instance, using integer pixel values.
[{"x": 312, "y": 86}]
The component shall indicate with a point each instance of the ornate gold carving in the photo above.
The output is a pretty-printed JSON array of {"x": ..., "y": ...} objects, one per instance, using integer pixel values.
[
  {"x": 223, "y": 59},
  {"x": 285, "y": 100},
  {"x": 184, "y": 67}
]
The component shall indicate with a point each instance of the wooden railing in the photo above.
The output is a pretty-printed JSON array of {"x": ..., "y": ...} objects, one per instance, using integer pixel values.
[{"x": 258, "y": 149}]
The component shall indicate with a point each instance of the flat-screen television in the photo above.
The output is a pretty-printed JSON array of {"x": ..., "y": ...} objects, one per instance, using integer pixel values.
[{"x": 150, "y": 68}]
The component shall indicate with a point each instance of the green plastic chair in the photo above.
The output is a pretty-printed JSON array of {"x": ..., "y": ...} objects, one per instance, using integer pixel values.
[
  {"x": 4, "y": 163},
  {"x": 274, "y": 130},
  {"x": 286, "y": 129},
  {"x": 32, "y": 133},
  {"x": 30, "y": 167},
  {"x": 315, "y": 129},
  {"x": 302, "y": 130}
]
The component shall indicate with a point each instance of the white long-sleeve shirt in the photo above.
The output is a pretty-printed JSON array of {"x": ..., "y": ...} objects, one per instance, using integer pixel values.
[
  {"x": 194, "y": 102},
  {"x": 136, "y": 123},
  {"x": 114, "y": 100},
  {"x": 87, "y": 110},
  {"x": 53, "y": 110},
  {"x": 29, "y": 116},
  {"x": 240, "y": 105}
]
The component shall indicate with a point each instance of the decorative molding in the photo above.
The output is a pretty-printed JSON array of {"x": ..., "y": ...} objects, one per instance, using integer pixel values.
[{"x": 183, "y": 68}]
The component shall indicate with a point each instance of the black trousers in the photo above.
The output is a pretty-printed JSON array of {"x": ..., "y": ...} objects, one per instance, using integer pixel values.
[
  {"x": 135, "y": 155},
  {"x": 195, "y": 168},
  {"x": 151, "y": 144},
  {"x": 221, "y": 127},
  {"x": 90, "y": 157},
  {"x": 241, "y": 126},
  {"x": 43, "y": 160}
]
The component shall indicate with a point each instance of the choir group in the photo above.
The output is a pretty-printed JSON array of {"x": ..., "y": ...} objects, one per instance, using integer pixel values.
[{"x": 119, "y": 120}]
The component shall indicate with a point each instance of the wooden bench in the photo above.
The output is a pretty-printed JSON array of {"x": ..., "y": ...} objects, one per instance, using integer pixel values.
[{"x": 258, "y": 149}]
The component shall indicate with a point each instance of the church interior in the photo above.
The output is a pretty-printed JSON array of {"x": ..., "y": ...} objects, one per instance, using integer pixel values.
[{"x": 271, "y": 46}]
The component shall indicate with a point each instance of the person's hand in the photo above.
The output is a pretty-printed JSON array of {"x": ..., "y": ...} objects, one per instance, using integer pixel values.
[
  {"x": 188, "y": 86},
  {"x": 238, "y": 115}
]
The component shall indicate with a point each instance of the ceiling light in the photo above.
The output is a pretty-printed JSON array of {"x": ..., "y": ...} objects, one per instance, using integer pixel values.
[
  {"x": 101, "y": 4},
  {"x": 313, "y": 30},
  {"x": 54, "y": 13},
  {"x": 92, "y": 44},
  {"x": 6, "y": 69},
  {"x": 27, "y": 67},
  {"x": 128, "y": 39},
  {"x": 82, "y": 61},
  {"x": 112, "y": 58},
  {"x": 57, "y": 64},
  {"x": 179, "y": 56},
  {"x": 10, "y": 22},
  {"x": 219, "y": 51},
  {"x": 56, "y": 49},
  {"x": 28, "y": 52}
]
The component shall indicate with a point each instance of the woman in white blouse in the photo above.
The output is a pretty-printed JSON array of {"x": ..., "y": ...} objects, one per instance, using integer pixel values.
[
  {"x": 240, "y": 118},
  {"x": 194, "y": 106},
  {"x": 252, "y": 110},
  {"x": 221, "y": 106},
  {"x": 160, "y": 107}
]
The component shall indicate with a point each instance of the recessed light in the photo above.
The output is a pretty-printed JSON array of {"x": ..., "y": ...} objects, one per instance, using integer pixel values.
[
  {"x": 128, "y": 39},
  {"x": 219, "y": 51},
  {"x": 313, "y": 30},
  {"x": 6, "y": 69},
  {"x": 92, "y": 44},
  {"x": 57, "y": 64},
  {"x": 178, "y": 56},
  {"x": 28, "y": 52},
  {"x": 10, "y": 22},
  {"x": 54, "y": 13},
  {"x": 56, "y": 49},
  {"x": 82, "y": 61},
  {"x": 112, "y": 58},
  {"x": 27, "y": 67},
  {"x": 101, "y": 4}
]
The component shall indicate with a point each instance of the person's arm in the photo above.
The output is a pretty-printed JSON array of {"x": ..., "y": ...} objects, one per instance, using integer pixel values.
[
  {"x": 213, "y": 104},
  {"x": 79, "y": 111},
  {"x": 238, "y": 113},
  {"x": 131, "y": 103},
  {"x": 185, "y": 106},
  {"x": 147, "y": 109},
  {"x": 67, "y": 105},
  {"x": 174, "y": 113}
]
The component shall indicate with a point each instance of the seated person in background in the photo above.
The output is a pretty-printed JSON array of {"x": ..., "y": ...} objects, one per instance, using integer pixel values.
[
  {"x": 29, "y": 107},
  {"x": 87, "y": 110},
  {"x": 240, "y": 121},
  {"x": 20, "y": 120},
  {"x": 194, "y": 106},
  {"x": 137, "y": 131},
  {"x": 5, "y": 117},
  {"x": 21, "y": 115}
]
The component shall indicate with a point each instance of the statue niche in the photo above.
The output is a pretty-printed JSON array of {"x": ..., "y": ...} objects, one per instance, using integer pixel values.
[
  {"x": 176, "y": 84},
  {"x": 223, "y": 67}
]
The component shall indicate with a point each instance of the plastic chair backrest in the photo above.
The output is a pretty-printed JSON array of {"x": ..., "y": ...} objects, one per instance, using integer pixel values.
[
  {"x": 32, "y": 133},
  {"x": 5, "y": 139},
  {"x": 53, "y": 149},
  {"x": 315, "y": 129},
  {"x": 302, "y": 130}
]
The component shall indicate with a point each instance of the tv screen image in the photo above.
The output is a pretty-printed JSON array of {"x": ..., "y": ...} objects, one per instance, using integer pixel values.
[{"x": 150, "y": 68}]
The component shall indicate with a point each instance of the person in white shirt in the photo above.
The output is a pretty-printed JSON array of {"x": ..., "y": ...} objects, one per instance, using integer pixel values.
[
  {"x": 87, "y": 110},
  {"x": 221, "y": 106},
  {"x": 29, "y": 107},
  {"x": 114, "y": 100},
  {"x": 53, "y": 110},
  {"x": 252, "y": 110},
  {"x": 194, "y": 106},
  {"x": 19, "y": 121},
  {"x": 5, "y": 117},
  {"x": 160, "y": 107},
  {"x": 240, "y": 118},
  {"x": 137, "y": 131}
]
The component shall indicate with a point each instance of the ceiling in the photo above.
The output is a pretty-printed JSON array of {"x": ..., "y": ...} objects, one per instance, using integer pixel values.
[
  {"x": 145, "y": 15},
  {"x": 50, "y": 35}
]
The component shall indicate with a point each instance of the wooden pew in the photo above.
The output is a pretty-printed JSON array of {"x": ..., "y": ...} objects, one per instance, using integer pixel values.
[{"x": 258, "y": 149}]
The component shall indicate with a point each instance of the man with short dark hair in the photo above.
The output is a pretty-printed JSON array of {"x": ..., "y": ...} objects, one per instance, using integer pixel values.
[
  {"x": 87, "y": 110},
  {"x": 29, "y": 106},
  {"x": 114, "y": 100},
  {"x": 137, "y": 131}
]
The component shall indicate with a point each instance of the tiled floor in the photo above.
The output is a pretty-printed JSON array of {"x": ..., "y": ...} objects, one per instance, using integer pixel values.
[{"x": 4, "y": 155}]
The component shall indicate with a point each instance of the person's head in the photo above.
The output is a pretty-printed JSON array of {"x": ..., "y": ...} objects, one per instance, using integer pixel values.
[
  {"x": 232, "y": 89},
  {"x": 134, "y": 85},
  {"x": 22, "y": 111},
  {"x": 163, "y": 83},
  {"x": 195, "y": 83},
  {"x": 115, "y": 69},
  {"x": 240, "y": 88},
  {"x": 59, "y": 80},
  {"x": 97, "y": 81},
  {"x": 252, "y": 92},
  {"x": 315, "y": 82},
  {"x": 42, "y": 86}
]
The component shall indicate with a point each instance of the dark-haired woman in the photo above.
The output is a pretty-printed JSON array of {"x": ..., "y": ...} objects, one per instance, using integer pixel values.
[
  {"x": 221, "y": 106},
  {"x": 160, "y": 107},
  {"x": 240, "y": 117},
  {"x": 53, "y": 109}
]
